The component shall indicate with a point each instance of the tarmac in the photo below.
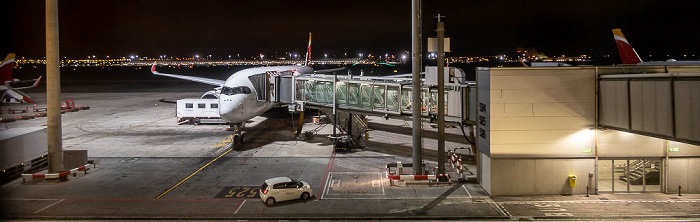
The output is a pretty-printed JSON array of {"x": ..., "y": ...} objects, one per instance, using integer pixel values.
[{"x": 149, "y": 167}]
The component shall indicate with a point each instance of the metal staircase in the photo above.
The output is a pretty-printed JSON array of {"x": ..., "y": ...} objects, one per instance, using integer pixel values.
[
  {"x": 355, "y": 128},
  {"x": 636, "y": 173}
]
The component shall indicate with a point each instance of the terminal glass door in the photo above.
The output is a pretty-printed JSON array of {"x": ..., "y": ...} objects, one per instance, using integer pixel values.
[{"x": 629, "y": 175}]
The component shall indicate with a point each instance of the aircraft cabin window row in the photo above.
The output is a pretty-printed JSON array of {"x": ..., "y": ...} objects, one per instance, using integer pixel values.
[{"x": 235, "y": 90}]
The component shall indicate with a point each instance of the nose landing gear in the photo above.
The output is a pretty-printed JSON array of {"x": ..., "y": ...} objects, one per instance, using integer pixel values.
[{"x": 238, "y": 135}]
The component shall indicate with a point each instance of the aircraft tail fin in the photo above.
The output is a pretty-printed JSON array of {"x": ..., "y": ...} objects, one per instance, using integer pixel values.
[
  {"x": 6, "y": 68},
  {"x": 627, "y": 54},
  {"x": 307, "y": 61}
]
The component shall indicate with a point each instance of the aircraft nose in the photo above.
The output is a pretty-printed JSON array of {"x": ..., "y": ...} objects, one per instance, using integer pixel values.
[{"x": 230, "y": 107}]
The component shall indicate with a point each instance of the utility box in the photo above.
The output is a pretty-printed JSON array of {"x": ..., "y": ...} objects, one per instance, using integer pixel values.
[
  {"x": 74, "y": 158},
  {"x": 451, "y": 75},
  {"x": 572, "y": 181}
]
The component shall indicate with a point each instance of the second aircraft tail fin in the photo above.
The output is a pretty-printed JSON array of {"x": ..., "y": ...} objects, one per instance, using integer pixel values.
[
  {"x": 6, "y": 68},
  {"x": 307, "y": 61},
  {"x": 627, "y": 54}
]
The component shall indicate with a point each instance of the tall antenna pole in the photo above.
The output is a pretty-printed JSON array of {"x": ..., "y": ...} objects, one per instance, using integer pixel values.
[{"x": 416, "y": 103}]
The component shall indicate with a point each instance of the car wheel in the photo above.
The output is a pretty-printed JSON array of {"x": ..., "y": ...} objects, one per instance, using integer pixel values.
[
  {"x": 305, "y": 196},
  {"x": 270, "y": 201}
]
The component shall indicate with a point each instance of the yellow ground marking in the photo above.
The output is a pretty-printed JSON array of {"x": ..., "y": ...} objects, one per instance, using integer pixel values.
[{"x": 195, "y": 172}]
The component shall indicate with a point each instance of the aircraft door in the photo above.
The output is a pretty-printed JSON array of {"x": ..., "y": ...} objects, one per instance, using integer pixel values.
[
  {"x": 274, "y": 88},
  {"x": 261, "y": 83}
]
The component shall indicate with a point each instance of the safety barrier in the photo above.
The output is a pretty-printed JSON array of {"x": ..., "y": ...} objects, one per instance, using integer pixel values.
[
  {"x": 456, "y": 163},
  {"x": 55, "y": 175},
  {"x": 449, "y": 179},
  {"x": 412, "y": 177},
  {"x": 399, "y": 166}
]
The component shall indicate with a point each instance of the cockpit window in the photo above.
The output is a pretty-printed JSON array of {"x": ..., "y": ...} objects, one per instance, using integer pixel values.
[{"x": 235, "y": 90}]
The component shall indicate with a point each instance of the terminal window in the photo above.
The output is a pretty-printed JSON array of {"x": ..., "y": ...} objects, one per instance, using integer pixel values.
[
  {"x": 201, "y": 105},
  {"x": 214, "y": 105},
  {"x": 188, "y": 105}
]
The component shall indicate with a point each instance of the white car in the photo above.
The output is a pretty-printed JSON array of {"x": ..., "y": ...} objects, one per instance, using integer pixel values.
[{"x": 280, "y": 189}]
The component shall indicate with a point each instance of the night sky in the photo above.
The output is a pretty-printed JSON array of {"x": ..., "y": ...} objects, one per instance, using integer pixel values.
[{"x": 221, "y": 28}]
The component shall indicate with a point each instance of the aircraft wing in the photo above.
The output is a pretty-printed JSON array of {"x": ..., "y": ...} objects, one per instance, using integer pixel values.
[
  {"x": 329, "y": 70},
  {"x": 215, "y": 82},
  {"x": 399, "y": 76},
  {"x": 25, "y": 84}
]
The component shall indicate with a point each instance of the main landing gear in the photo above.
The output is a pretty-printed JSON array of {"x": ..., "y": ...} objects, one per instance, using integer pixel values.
[{"x": 238, "y": 135}]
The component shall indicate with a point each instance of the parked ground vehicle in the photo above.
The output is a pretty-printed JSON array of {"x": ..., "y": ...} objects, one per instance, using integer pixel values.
[
  {"x": 198, "y": 111},
  {"x": 280, "y": 189}
]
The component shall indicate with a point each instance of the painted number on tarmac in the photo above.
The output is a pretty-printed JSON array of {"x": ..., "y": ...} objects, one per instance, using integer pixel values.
[
  {"x": 553, "y": 210},
  {"x": 239, "y": 192}
]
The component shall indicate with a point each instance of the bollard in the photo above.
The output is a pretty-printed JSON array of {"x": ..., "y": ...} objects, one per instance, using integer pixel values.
[
  {"x": 587, "y": 189},
  {"x": 679, "y": 190}
]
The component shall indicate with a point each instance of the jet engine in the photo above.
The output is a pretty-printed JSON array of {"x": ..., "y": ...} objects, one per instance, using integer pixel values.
[{"x": 212, "y": 94}]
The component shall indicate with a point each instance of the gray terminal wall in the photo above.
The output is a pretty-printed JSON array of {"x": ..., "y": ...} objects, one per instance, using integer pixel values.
[{"x": 537, "y": 126}]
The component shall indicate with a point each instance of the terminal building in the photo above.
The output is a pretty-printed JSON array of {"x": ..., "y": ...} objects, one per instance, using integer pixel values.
[{"x": 559, "y": 130}]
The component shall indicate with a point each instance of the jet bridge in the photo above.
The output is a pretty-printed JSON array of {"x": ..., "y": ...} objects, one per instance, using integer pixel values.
[
  {"x": 357, "y": 96},
  {"x": 385, "y": 96}
]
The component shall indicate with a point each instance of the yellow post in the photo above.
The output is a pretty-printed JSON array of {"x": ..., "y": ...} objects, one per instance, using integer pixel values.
[{"x": 301, "y": 122}]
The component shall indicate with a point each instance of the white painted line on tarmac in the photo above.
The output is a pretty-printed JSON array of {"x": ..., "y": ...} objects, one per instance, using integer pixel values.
[
  {"x": 239, "y": 207},
  {"x": 49, "y": 206},
  {"x": 465, "y": 189},
  {"x": 388, "y": 198},
  {"x": 28, "y": 199},
  {"x": 327, "y": 182}
]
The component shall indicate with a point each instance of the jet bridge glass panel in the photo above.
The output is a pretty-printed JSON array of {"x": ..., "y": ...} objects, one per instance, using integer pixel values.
[
  {"x": 323, "y": 93},
  {"x": 365, "y": 96},
  {"x": 392, "y": 98},
  {"x": 308, "y": 90},
  {"x": 354, "y": 94},
  {"x": 379, "y": 97},
  {"x": 341, "y": 94},
  {"x": 406, "y": 99}
]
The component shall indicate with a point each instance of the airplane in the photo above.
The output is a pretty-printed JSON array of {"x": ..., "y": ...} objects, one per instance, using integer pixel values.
[
  {"x": 244, "y": 94},
  {"x": 9, "y": 90},
  {"x": 629, "y": 56}
]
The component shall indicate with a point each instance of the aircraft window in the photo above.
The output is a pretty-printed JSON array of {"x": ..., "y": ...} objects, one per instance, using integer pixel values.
[
  {"x": 201, "y": 105},
  {"x": 214, "y": 105},
  {"x": 188, "y": 105},
  {"x": 236, "y": 90}
]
